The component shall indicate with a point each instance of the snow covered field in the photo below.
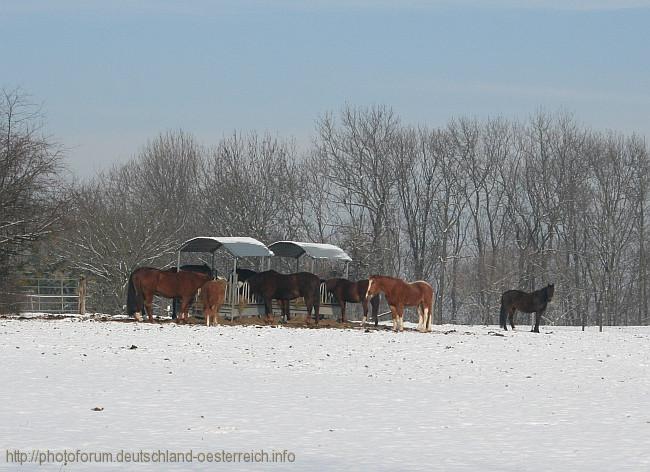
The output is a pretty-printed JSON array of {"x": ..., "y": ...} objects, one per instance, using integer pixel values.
[{"x": 460, "y": 398}]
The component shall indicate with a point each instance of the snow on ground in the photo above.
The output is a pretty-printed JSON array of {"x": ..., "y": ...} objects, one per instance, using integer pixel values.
[{"x": 337, "y": 399}]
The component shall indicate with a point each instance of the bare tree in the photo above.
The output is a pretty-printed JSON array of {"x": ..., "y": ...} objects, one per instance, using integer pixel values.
[
  {"x": 30, "y": 176},
  {"x": 478, "y": 160},
  {"x": 31, "y": 179},
  {"x": 132, "y": 215},
  {"x": 476, "y": 207},
  {"x": 418, "y": 183},
  {"x": 641, "y": 167},
  {"x": 358, "y": 156},
  {"x": 609, "y": 222},
  {"x": 247, "y": 187}
]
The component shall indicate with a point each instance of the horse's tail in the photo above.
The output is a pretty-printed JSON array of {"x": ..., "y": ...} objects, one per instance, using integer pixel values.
[
  {"x": 374, "y": 303},
  {"x": 133, "y": 298},
  {"x": 502, "y": 314}
]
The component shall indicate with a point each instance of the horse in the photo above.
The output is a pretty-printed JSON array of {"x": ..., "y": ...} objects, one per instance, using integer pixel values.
[
  {"x": 270, "y": 285},
  {"x": 201, "y": 268},
  {"x": 146, "y": 282},
  {"x": 345, "y": 290},
  {"x": 399, "y": 294},
  {"x": 212, "y": 295},
  {"x": 244, "y": 274},
  {"x": 534, "y": 302}
]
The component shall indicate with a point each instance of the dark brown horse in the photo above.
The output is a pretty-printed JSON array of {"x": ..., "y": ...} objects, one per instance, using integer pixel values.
[
  {"x": 400, "y": 294},
  {"x": 146, "y": 282},
  {"x": 345, "y": 290},
  {"x": 270, "y": 285},
  {"x": 534, "y": 302},
  {"x": 212, "y": 295},
  {"x": 244, "y": 274}
]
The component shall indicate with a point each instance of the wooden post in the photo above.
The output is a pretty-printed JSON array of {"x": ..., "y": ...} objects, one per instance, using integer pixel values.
[
  {"x": 81, "y": 292},
  {"x": 234, "y": 290}
]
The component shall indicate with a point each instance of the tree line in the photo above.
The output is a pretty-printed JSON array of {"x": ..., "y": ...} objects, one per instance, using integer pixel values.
[{"x": 475, "y": 207}]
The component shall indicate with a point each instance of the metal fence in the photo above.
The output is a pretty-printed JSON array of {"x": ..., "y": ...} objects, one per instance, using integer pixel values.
[{"x": 44, "y": 295}]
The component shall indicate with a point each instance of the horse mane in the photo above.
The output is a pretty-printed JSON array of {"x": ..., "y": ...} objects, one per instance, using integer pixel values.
[
  {"x": 548, "y": 288},
  {"x": 384, "y": 277},
  {"x": 544, "y": 292}
]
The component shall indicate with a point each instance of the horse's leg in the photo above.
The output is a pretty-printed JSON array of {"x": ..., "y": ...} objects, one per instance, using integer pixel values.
[
  {"x": 174, "y": 308},
  {"x": 308, "y": 306},
  {"x": 287, "y": 308},
  {"x": 393, "y": 315},
  {"x": 503, "y": 314},
  {"x": 509, "y": 319},
  {"x": 538, "y": 317},
  {"x": 214, "y": 310},
  {"x": 139, "y": 307},
  {"x": 316, "y": 306},
  {"x": 148, "y": 305},
  {"x": 374, "y": 303},
  {"x": 400, "y": 317},
  {"x": 420, "y": 310},
  {"x": 217, "y": 320},
  {"x": 343, "y": 311},
  {"x": 268, "y": 307},
  {"x": 284, "y": 308},
  {"x": 426, "y": 317},
  {"x": 185, "y": 308},
  {"x": 364, "y": 304},
  {"x": 179, "y": 315}
]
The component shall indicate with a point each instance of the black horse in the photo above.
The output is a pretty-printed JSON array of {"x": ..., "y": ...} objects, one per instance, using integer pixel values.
[
  {"x": 534, "y": 302},
  {"x": 345, "y": 290},
  {"x": 270, "y": 285},
  {"x": 244, "y": 274}
]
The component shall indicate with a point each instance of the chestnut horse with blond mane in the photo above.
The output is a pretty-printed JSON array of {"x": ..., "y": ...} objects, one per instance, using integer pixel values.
[{"x": 400, "y": 294}]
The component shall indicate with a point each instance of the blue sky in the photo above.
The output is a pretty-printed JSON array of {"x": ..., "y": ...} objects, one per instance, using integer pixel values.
[{"x": 112, "y": 75}]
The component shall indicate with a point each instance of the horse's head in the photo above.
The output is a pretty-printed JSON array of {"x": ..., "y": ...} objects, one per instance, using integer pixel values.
[
  {"x": 550, "y": 291},
  {"x": 374, "y": 286}
]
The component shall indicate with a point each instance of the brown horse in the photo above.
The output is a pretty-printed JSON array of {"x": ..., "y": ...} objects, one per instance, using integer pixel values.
[
  {"x": 345, "y": 290},
  {"x": 146, "y": 282},
  {"x": 203, "y": 268},
  {"x": 399, "y": 294},
  {"x": 272, "y": 285},
  {"x": 212, "y": 295},
  {"x": 534, "y": 302}
]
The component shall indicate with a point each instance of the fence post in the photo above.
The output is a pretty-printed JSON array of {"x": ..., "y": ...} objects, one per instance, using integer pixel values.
[{"x": 82, "y": 295}]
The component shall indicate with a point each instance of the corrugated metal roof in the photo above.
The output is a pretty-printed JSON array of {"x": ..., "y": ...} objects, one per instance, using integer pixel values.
[
  {"x": 313, "y": 250},
  {"x": 236, "y": 246}
]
